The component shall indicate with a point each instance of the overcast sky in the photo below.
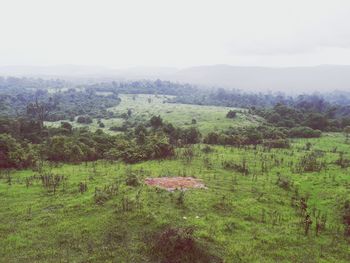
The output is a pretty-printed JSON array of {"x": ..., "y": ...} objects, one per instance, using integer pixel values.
[{"x": 177, "y": 33}]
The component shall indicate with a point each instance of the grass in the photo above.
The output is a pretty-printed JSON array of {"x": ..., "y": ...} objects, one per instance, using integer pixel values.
[
  {"x": 143, "y": 107},
  {"x": 238, "y": 218}
]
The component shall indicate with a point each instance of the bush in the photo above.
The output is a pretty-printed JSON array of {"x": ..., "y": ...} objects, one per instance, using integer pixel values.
[
  {"x": 231, "y": 114},
  {"x": 131, "y": 179},
  {"x": 84, "y": 120},
  {"x": 116, "y": 128},
  {"x": 207, "y": 149},
  {"x": 240, "y": 168},
  {"x": 284, "y": 182},
  {"x": 304, "y": 132},
  {"x": 346, "y": 217},
  {"x": 156, "y": 121},
  {"x": 13, "y": 155},
  {"x": 280, "y": 143},
  {"x": 310, "y": 163},
  {"x": 102, "y": 195},
  {"x": 342, "y": 161},
  {"x": 177, "y": 245}
]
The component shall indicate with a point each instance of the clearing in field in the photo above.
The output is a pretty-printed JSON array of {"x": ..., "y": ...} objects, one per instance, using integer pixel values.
[{"x": 175, "y": 183}]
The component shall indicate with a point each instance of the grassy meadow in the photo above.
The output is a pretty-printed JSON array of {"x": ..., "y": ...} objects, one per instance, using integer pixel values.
[
  {"x": 144, "y": 106},
  {"x": 243, "y": 216}
]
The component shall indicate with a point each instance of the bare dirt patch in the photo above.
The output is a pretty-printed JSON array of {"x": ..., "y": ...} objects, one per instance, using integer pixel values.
[{"x": 175, "y": 183}]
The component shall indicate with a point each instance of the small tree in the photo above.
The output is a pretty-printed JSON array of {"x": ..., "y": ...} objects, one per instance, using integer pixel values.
[
  {"x": 84, "y": 119},
  {"x": 347, "y": 133},
  {"x": 156, "y": 121},
  {"x": 231, "y": 114}
]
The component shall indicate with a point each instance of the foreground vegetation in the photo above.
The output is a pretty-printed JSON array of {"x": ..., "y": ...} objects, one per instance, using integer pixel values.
[
  {"x": 74, "y": 159},
  {"x": 102, "y": 211}
]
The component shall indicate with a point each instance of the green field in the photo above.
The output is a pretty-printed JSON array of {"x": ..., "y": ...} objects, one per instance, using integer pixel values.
[
  {"x": 239, "y": 218},
  {"x": 144, "y": 106}
]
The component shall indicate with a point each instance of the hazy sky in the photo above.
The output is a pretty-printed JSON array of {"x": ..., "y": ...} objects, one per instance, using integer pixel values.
[{"x": 176, "y": 33}]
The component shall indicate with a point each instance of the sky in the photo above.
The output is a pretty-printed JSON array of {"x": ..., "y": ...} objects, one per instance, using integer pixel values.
[{"x": 177, "y": 33}]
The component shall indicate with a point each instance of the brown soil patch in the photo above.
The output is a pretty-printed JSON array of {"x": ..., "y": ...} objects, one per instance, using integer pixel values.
[{"x": 175, "y": 183}]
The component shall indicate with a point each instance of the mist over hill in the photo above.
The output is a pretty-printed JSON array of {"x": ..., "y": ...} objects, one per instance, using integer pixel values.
[{"x": 290, "y": 80}]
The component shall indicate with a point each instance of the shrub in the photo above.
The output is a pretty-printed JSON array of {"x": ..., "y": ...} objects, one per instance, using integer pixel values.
[
  {"x": 178, "y": 245},
  {"x": 231, "y": 114},
  {"x": 279, "y": 143},
  {"x": 304, "y": 132},
  {"x": 207, "y": 149},
  {"x": 346, "y": 217},
  {"x": 132, "y": 179},
  {"x": 117, "y": 128},
  {"x": 102, "y": 195},
  {"x": 284, "y": 182},
  {"x": 310, "y": 163},
  {"x": 84, "y": 120},
  {"x": 241, "y": 168},
  {"x": 342, "y": 162}
]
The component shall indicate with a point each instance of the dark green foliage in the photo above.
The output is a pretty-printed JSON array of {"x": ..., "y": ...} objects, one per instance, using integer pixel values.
[
  {"x": 83, "y": 187},
  {"x": 312, "y": 112},
  {"x": 102, "y": 195},
  {"x": 51, "y": 181},
  {"x": 346, "y": 218},
  {"x": 272, "y": 137},
  {"x": 66, "y": 144},
  {"x": 14, "y": 155},
  {"x": 131, "y": 178},
  {"x": 317, "y": 121},
  {"x": 231, "y": 114},
  {"x": 238, "y": 167},
  {"x": 18, "y": 97},
  {"x": 347, "y": 133},
  {"x": 66, "y": 149},
  {"x": 278, "y": 143},
  {"x": 123, "y": 128},
  {"x": 67, "y": 126},
  {"x": 156, "y": 122},
  {"x": 188, "y": 154},
  {"x": 155, "y": 147},
  {"x": 84, "y": 119},
  {"x": 190, "y": 135},
  {"x": 304, "y": 132},
  {"x": 284, "y": 182},
  {"x": 212, "y": 138},
  {"x": 310, "y": 163},
  {"x": 342, "y": 161},
  {"x": 207, "y": 149},
  {"x": 181, "y": 198},
  {"x": 178, "y": 245}
]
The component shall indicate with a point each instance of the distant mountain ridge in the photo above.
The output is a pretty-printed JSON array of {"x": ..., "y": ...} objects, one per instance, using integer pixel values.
[{"x": 321, "y": 78}]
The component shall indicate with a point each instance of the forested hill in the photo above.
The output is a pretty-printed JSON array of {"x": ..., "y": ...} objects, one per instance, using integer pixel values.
[{"x": 63, "y": 100}]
